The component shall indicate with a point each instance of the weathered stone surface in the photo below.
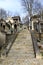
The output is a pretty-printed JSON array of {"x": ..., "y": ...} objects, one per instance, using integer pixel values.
[{"x": 2, "y": 38}]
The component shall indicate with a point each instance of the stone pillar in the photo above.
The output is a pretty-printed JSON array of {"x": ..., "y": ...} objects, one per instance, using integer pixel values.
[
  {"x": 12, "y": 31},
  {"x": 32, "y": 25},
  {"x": 39, "y": 31},
  {"x": 29, "y": 25},
  {"x": 13, "y": 26}
]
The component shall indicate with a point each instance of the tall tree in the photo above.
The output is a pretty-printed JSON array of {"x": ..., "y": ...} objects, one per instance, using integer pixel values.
[
  {"x": 37, "y": 7},
  {"x": 27, "y": 5},
  {"x": 31, "y": 6}
]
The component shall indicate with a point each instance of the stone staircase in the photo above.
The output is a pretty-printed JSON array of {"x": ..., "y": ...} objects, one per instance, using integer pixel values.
[{"x": 22, "y": 52}]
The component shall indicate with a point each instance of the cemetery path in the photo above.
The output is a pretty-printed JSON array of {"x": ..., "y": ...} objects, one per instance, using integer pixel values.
[{"x": 22, "y": 52}]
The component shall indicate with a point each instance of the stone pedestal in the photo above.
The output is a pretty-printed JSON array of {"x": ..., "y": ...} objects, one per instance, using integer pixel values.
[{"x": 38, "y": 56}]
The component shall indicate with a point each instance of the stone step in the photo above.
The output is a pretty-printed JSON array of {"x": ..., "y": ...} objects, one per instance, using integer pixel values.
[
  {"x": 29, "y": 52},
  {"x": 22, "y": 55},
  {"x": 21, "y": 51}
]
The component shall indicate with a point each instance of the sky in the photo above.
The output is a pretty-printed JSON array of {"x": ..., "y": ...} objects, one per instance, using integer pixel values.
[{"x": 14, "y": 6}]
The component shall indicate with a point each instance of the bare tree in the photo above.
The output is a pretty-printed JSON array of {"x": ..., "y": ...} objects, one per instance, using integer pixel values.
[
  {"x": 31, "y": 6},
  {"x": 41, "y": 13},
  {"x": 16, "y": 14},
  {"x": 3, "y": 13},
  {"x": 37, "y": 7},
  {"x": 28, "y": 5},
  {"x": 9, "y": 13}
]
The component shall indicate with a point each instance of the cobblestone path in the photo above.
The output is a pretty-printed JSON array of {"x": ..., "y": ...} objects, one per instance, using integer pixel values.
[{"x": 22, "y": 52}]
